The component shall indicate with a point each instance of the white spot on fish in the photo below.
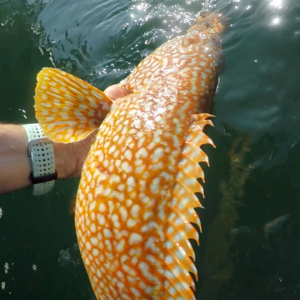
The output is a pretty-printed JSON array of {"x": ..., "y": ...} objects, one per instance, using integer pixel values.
[
  {"x": 88, "y": 246},
  {"x": 126, "y": 167},
  {"x": 101, "y": 219},
  {"x": 102, "y": 207},
  {"x": 95, "y": 252},
  {"x": 107, "y": 233},
  {"x": 94, "y": 241},
  {"x": 135, "y": 210},
  {"x": 54, "y": 90},
  {"x": 131, "y": 223},
  {"x": 50, "y": 119},
  {"x": 135, "y": 238},
  {"x": 120, "y": 246},
  {"x": 128, "y": 154}
]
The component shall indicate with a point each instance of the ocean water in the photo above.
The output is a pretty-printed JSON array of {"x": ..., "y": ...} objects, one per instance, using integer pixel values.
[{"x": 250, "y": 245}]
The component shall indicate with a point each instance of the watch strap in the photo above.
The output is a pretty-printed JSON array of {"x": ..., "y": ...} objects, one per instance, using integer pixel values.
[{"x": 41, "y": 154}]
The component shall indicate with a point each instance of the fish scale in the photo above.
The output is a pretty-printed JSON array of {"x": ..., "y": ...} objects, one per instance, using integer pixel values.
[{"x": 136, "y": 198}]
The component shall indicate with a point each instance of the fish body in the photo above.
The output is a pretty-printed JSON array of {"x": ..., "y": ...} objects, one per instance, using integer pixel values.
[{"x": 136, "y": 198}]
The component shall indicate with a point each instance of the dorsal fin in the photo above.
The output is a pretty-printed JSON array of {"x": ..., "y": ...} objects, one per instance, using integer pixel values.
[
  {"x": 68, "y": 108},
  {"x": 182, "y": 212}
]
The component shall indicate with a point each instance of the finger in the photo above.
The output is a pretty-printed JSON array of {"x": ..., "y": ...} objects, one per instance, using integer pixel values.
[{"x": 115, "y": 91}]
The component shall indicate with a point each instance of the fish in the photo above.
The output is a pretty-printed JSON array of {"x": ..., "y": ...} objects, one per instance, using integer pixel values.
[
  {"x": 135, "y": 205},
  {"x": 274, "y": 226}
]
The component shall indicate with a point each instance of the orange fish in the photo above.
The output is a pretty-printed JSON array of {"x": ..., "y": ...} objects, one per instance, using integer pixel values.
[{"x": 136, "y": 198}]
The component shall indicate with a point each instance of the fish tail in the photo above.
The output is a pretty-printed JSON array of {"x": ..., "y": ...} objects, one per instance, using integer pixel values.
[
  {"x": 210, "y": 24},
  {"x": 68, "y": 108}
]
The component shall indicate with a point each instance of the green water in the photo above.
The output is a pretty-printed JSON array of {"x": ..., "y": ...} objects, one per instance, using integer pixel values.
[{"x": 254, "y": 174}]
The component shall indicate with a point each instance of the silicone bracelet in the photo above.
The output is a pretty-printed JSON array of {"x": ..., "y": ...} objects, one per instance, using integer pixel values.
[{"x": 41, "y": 155}]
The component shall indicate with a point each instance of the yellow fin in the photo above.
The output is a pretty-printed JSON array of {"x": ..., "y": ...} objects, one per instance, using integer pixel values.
[
  {"x": 183, "y": 204},
  {"x": 194, "y": 170},
  {"x": 68, "y": 108},
  {"x": 181, "y": 217},
  {"x": 181, "y": 281}
]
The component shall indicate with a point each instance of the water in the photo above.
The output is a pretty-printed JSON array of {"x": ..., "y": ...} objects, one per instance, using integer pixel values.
[{"x": 250, "y": 241}]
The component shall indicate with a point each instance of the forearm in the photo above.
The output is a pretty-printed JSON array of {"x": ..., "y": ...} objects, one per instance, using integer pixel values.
[
  {"x": 15, "y": 167},
  {"x": 14, "y": 161}
]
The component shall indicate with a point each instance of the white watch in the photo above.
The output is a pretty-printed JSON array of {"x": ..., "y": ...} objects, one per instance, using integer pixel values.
[{"x": 41, "y": 155}]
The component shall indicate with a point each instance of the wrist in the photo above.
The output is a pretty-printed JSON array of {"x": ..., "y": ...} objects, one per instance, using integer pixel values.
[{"x": 63, "y": 154}]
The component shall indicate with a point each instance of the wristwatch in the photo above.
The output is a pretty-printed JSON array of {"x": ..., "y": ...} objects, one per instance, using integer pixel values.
[{"x": 41, "y": 155}]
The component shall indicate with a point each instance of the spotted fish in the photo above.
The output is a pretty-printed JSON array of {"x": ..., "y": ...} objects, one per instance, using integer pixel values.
[{"x": 136, "y": 198}]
